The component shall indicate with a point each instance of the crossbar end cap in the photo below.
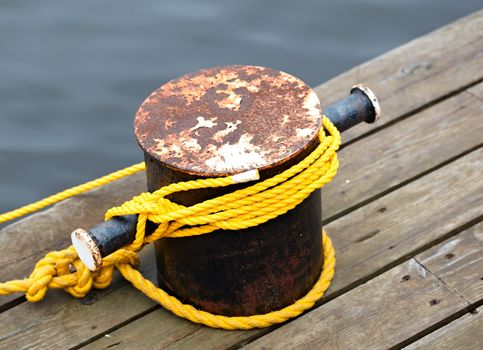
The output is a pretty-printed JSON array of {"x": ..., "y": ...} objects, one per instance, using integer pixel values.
[
  {"x": 372, "y": 97},
  {"x": 87, "y": 249}
]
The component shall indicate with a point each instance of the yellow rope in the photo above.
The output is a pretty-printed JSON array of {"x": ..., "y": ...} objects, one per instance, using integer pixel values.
[
  {"x": 70, "y": 192},
  {"x": 241, "y": 209}
]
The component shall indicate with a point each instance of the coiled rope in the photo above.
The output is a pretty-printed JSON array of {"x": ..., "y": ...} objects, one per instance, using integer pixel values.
[{"x": 241, "y": 209}]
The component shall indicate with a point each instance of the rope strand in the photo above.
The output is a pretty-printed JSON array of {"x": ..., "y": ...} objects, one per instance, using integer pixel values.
[
  {"x": 247, "y": 207},
  {"x": 70, "y": 192}
]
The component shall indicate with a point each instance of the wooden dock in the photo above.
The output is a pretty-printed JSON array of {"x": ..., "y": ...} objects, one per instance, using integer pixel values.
[{"x": 404, "y": 213}]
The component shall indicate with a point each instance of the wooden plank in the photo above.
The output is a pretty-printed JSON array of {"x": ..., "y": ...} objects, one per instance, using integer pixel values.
[
  {"x": 396, "y": 154},
  {"x": 377, "y": 315},
  {"x": 417, "y": 73},
  {"x": 410, "y": 217},
  {"x": 459, "y": 262},
  {"x": 464, "y": 333},
  {"x": 38, "y": 326},
  {"x": 148, "y": 334},
  {"x": 456, "y": 265},
  {"x": 365, "y": 246}
]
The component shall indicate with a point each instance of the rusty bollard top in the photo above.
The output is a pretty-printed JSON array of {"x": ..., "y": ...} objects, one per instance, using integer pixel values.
[{"x": 227, "y": 120}]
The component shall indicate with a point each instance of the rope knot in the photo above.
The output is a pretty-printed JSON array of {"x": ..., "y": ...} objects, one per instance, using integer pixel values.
[
  {"x": 64, "y": 270},
  {"x": 59, "y": 269},
  {"x": 40, "y": 278}
]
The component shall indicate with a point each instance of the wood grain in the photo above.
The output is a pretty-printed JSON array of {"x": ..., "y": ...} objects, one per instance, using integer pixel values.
[
  {"x": 459, "y": 263},
  {"x": 377, "y": 315},
  {"x": 398, "y": 153},
  {"x": 417, "y": 73},
  {"x": 60, "y": 321},
  {"x": 401, "y": 222},
  {"x": 456, "y": 264},
  {"x": 149, "y": 334},
  {"x": 411, "y": 217},
  {"x": 464, "y": 333}
]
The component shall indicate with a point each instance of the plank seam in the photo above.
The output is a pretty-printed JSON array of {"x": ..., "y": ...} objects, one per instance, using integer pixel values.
[
  {"x": 181, "y": 337},
  {"x": 434, "y": 327},
  {"x": 116, "y": 327},
  {"x": 442, "y": 281},
  {"x": 474, "y": 95},
  {"x": 470, "y": 308},
  {"x": 399, "y": 185},
  {"x": 365, "y": 279},
  {"x": 12, "y": 303}
]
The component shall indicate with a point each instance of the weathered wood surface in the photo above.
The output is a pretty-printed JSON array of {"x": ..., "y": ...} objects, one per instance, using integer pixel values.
[
  {"x": 401, "y": 189},
  {"x": 418, "y": 73},
  {"x": 459, "y": 262},
  {"x": 395, "y": 306},
  {"x": 377, "y": 315},
  {"x": 397, "y": 227},
  {"x": 477, "y": 90},
  {"x": 464, "y": 333},
  {"x": 399, "y": 153}
]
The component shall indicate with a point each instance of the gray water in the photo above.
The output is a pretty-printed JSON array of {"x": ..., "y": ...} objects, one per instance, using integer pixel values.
[{"x": 72, "y": 73}]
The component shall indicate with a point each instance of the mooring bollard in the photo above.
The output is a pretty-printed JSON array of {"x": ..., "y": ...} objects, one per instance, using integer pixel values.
[{"x": 219, "y": 122}]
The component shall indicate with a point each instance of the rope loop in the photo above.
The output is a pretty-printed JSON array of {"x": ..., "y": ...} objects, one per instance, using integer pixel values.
[{"x": 247, "y": 207}]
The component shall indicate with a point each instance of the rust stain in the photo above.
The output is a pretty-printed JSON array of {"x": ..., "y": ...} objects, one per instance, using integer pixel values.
[{"x": 226, "y": 120}]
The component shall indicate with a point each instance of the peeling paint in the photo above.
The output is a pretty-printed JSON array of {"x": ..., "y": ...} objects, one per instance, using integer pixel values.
[
  {"x": 204, "y": 123},
  {"x": 242, "y": 154},
  {"x": 230, "y": 127},
  {"x": 228, "y": 119},
  {"x": 304, "y": 132}
]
